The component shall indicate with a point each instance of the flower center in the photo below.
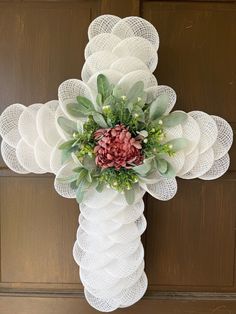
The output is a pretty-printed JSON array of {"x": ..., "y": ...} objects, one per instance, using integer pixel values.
[{"x": 115, "y": 147}]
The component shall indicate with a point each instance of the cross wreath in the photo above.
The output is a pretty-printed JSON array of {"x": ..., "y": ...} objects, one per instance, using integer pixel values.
[{"x": 109, "y": 138}]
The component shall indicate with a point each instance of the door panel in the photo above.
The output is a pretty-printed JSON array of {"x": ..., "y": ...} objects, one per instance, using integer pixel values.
[
  {"x": 190, "y": 240},
  {"x": 37, "y": 232}
]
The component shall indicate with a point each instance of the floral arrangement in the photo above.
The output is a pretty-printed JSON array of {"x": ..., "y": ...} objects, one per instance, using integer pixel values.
[
  {"x": 121, "y": 141},
  {"x": 109, "y": 138}
]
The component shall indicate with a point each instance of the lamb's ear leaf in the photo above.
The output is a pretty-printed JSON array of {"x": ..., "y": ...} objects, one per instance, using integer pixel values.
[
  {"x": 99, "y": 119},
  {"x": 178, "y": 143},
  {"x": 80, "y": 191},
  {"x": 89, "y": 163},
  {"x": 78, "y": 169},
  {"x": 135, "y": 91},
  {"x": 129, "y": 196},
  {"x": 67, "y": 125},
  {"x": 162, "y": 165},
  {"x": 103, "y": 86},
  {"x": 109, "y": 101},
  {"x": 100, "y": 187},
  {"x": 68, "y": 179},
  {"x": 170, "y": 172},
  {"x": 144, "y": 168},
  {"x": 73, "y": 185},
  {"x": 80, "y": 126},
  {"x": 158, "y": 106},
  {"x": 99, "y": 100},
  {"x": 77, "y": 111},
  {"x": 66, "y": 145},
  {"x": 174, "y": 118},
  {"x": 85, "y": 102},
  {"x": 65, "y": 155},
  {"x": 117, "y": 92}
]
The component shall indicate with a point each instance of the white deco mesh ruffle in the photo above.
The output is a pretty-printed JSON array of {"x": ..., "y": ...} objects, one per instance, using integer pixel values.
[
  {"x": 42, "y": 153},
  {"x": 10, "y": 158},
  {"x": 208, "y": 129},
  {"x": 219, "y": 167},
  {"x": 155, "y": 91},
  {"x": 210, "y": 138},
  {"x": 25, "y": 155},
  {"x": 69, "y": 90},
  {"x": 46, "y": 117},
  {"x": 9, "y": 120},
  {"x": 109, "y": 251},
  {"x": 27, "y": 123},
  {"x": 224, "y": 138},
  {"x": 131, "y": 26},
  {"x": 64, "y": 188},
  {"x": 129, "y": 79},
  {"x": 163, "y": 190},
  {"x": 139, "y": 48},
  {"x": 108, "y": 244},
  {"x": 29, "y": 137},
  {"x": 118, "y": 47}
]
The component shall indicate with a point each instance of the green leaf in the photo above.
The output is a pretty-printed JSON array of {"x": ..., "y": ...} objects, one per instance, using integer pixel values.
[
  {"x": 89, "y": 177},
  {"x": 89, "y": 163},
  {"x": 67, "y": 125},
  {"x": 103, "y": 86},
  {"x": 162, "y": 165},
  {"x": 100, "y": 187},
  {"x": 109, "y": 101},
  {"x": 99, "y": 100},
  {"x": 85, "y": 102},
  {"x": 78, "y": 169},
  {"x": 117, "y": 92},
  {"x": 129, "y": 196},
  {"x": 150, "y": 178},
  {"x": 94, "y": 183},
  {"x": 135, "y": 92},
  {"x": 130, "y": 107},
  {"x": 174, "y": 118},
  {"x": 99, "y": 119},
  {"x": 76, "y": 159},
  {"x": 65, "y": 155},
  {"x": 68, "y": 179},
  {"x": 66, "y": 145},
  {"x": 178, "y": 143},
  {"x": 158, "y": 106},
  {"x": 77, "y": 111},
  {"x": 73, "y": 185},
  {"x": 83, "y": 184},
  {"x": 170, "y": 172},
  {"x": 80, "y": 191},
  {"x": 138, "y": 113},
  {"x": 82, "y": 174},
  {"x": 144, "y": 168},
  {"x": 80, "y": 126}
]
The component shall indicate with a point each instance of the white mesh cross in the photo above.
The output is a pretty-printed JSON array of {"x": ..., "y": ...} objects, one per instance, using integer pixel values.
[{"x": 108, "y": 245}]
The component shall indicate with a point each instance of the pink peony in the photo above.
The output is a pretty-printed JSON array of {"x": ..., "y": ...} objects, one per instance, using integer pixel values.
[{"x": 117, "y": 148}]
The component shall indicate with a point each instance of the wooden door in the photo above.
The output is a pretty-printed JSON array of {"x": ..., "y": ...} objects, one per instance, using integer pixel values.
[{"x": 190, "y": 240}]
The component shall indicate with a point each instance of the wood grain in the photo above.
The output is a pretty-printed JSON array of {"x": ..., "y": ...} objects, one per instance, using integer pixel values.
[
  {"x": 41, "y": 45},
  {"x": 74, "y": 305},
  {"x": 197, "y": 53},
  {"x": 190, "y": 241},
  {"x": 192, "y": 238},
  {"x": 38, "y": 229},
  {"x": 120, "y": 8}
]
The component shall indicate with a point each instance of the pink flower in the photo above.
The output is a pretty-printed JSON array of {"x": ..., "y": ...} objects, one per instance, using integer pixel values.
[{"x": 117, "y": 148}]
